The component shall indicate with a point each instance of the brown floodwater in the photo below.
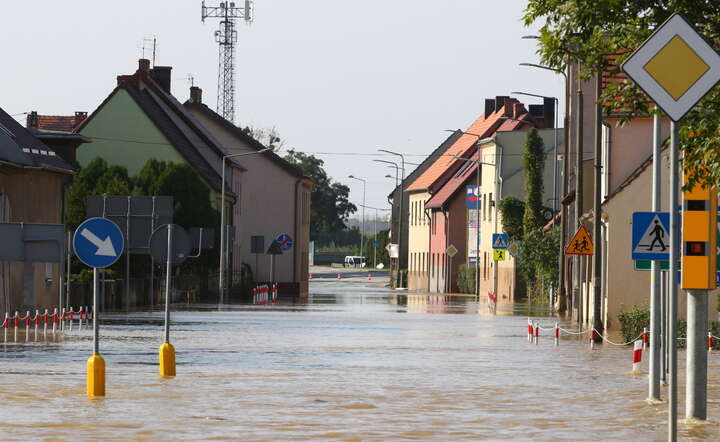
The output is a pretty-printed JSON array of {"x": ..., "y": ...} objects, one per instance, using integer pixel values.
[{"x": 353, "y": 362}]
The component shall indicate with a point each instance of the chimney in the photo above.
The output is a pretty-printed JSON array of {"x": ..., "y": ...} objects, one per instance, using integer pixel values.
[
  {"x": 161, "y": 75},
  {"x": 549, "y": 112},
  {"x": 79, "y": 118},
  {"x": 500, "y": 102},
  {"x": 144, "y": 65},
  {"x": 489, "y": 107},
  {"x": 538, "y": 113},
  {"x": 517, "y": 109},
  {"x": 32, "y": 120},
  {"x": 195, "y": 94},
  {"x": 124, "y": 79}
]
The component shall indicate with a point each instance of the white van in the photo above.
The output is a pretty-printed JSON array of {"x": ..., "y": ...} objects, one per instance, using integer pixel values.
[{"x": 354, "y": 261}]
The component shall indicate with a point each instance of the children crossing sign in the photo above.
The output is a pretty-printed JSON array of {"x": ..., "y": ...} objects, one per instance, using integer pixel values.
[
  {"x": 651, "y": 236},
  {"x": 580, "y": 244},
  {"x": 500, "y": 241},
  {"x": 499, "y": 254}
]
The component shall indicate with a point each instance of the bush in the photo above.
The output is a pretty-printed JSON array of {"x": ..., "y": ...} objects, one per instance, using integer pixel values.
[
  {"x": 466, "y": 279},
  {"x": 634, "y": 321}
]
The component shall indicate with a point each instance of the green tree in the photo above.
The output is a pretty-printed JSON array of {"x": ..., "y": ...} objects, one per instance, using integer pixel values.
[
  {"x": 589, "y": 31},
  {"x": 330, "y": 207},
  {"x": 370, "y": 252},
  {"x": 512, "y": 210},
  {"x": 534, "y": 166}
]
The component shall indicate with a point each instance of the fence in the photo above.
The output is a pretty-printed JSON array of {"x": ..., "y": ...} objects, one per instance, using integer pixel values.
[{"x": 60, "y": 322}]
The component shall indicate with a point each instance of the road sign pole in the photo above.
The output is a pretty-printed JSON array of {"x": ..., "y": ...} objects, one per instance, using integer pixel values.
[
  {"x": 96, "y": 332},
  {"x": 96, "y": 363},
  {"x": 697, "y": 359},
  {"x": 655, "y": 301},
  {"x": 672, "y": 281},
  {"x": 167, "y": 351}
]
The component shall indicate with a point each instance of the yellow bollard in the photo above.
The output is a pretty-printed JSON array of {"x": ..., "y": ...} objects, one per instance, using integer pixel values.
[
  {"x": 95, "y": 376},
  {"x": 167, "y": 360}
]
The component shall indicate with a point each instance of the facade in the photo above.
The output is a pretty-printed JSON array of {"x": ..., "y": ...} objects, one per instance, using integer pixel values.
[
  {"x": 28, "y": 165},
  {"x": 507, "y": 178},
  {"x": 273, "y": 200},
  {"x": 400, "y": 192}
]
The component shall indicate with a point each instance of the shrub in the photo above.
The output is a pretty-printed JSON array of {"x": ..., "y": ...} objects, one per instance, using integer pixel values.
[{"x": 466, "y": 279}]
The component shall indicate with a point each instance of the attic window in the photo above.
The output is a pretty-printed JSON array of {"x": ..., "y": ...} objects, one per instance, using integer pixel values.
[
  {"x": 43, "y": 152},
  {"x": 26, "y": 149},
  {"x": 35, "y": 151},
  {"x": 51, "y": 153}
]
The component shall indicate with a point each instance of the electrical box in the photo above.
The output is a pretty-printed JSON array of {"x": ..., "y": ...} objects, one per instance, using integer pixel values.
[{"x": 699, "y": 238}]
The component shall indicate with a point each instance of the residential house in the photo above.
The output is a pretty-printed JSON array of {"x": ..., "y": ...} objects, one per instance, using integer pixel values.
[
  {"x": 273, "y": 200},
  {"x": 507, "y": 178},
  {"x": 58, "y": 132},
  {"x": 450, "y": 217},
  {"x": 421, "y": 261},
  {"x": 399, "y": 192},
  {"x": 140, "y": 119},
  {"x": 32, "y": 180}
]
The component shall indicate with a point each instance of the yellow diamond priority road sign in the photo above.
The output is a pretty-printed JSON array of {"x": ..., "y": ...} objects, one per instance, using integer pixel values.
[{"x": 675, "y": 67}]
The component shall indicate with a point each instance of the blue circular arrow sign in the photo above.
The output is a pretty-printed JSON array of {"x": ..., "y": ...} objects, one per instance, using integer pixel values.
[
  {"x": 98, "y": 242},
  {"x": 284, "y": 241}
]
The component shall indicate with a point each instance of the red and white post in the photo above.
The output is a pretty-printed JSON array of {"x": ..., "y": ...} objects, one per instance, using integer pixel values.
[
  {"x": 637, "y": 355},
  {"x": 710, "y": 341},
  {"x": 529, "y": 331},
  {"x": 557, "y": 334},
  {"x": 537, "y": 333}
]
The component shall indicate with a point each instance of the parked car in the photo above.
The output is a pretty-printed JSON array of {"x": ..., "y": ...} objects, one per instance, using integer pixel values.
[{"x": 355, "y": 261}]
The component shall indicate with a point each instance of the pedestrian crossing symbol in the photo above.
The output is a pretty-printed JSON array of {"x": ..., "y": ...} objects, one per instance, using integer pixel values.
[
  {"x": 651, "y": 236},
  {"x": 580, "y": 244},
  {"x": 500, "y": 241},
  {"x": 499, "y": 254}
]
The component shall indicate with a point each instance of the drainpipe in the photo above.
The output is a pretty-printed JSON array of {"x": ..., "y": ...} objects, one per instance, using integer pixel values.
[{"x": 295, "y": 230}]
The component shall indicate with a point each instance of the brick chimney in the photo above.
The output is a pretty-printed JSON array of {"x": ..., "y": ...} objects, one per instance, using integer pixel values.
[
  {"x": 144, "y": 65},
  {"x": 162, "y": 76},
  {"x": 517, "y": 109},
  {"x": 489, "y": 107},
  {"x": 195, "y": 94},
  {"x": 32, "y": 120},
  {"x": 500, "y": 102},
  {"x": 79, "y": 118}
]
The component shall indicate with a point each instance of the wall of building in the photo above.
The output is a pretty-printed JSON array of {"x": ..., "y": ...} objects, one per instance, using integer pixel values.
[
  {"x": 418, "y": 242},
  {"x": 33, "y": 285},
  {"x": 438, "y": 258},
  {"x": 625, "y": 287},
  {"x": 269, "y": 198}
]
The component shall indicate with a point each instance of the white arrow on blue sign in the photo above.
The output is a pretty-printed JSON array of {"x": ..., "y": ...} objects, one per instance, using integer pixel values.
[
  {"x": 98, "y": 242},
  {"x": 651, "y": 236}
]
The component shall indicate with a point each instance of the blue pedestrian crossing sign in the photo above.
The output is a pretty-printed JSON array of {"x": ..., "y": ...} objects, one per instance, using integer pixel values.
[
  {"x": 500, "y": 241},
  {"x": 98, "y": 242},
  {"x": 651, "y": 236}
]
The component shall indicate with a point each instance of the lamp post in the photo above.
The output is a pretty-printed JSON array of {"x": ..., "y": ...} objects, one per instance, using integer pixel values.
[
  {"x": 555, "y": 163},
  {"x": 400, "y": 215},
  {"x": 402, "y": 197},
  {"x": 566, "y": 173},
  {"x": 362, "y": 221},
  {"x": 221, "y": 281}
]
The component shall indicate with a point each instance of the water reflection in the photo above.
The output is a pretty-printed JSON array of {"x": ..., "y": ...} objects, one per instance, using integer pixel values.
[{"x": 342, "y": 365}]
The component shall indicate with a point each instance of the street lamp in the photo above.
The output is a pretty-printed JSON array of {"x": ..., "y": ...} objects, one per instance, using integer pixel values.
[
  {"x": 222, "y": 220},
  {"x": 362, "y": 222},
  {"x": 539, "y": 66},
  {"x": 555, "y": 163},
  {"x": 402, "y": 197}
]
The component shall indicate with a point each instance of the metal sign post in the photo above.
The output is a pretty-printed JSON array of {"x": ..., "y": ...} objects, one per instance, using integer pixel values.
[
  {"x": 98, "y": 243},
  {"x": 676, "y": 67},
  {"x": 167, "y": 351}
]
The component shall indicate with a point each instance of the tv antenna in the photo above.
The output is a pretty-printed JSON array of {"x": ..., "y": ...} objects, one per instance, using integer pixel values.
[{"x": 226, "y": 37}]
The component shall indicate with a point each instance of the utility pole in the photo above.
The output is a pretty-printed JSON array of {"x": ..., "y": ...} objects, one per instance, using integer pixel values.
[
  {"x": 597, "y": 223},
  {"x": 577, "y": 295},
  {"x": 226, "y": 37},
  {"x": 655, "y": 300}
]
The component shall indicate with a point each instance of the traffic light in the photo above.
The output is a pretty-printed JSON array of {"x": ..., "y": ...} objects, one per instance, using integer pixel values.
[{"x": 699, "y": 238}]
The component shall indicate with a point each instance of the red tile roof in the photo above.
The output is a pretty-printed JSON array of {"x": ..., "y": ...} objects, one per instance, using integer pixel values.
[
  {"x": 484, "y": 127},
  {"x": 460, "y": 178},
  {"x": 56, "y": 122}
]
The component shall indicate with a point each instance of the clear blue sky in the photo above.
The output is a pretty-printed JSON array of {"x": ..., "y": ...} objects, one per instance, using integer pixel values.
[{"x": 333, "y": 76}]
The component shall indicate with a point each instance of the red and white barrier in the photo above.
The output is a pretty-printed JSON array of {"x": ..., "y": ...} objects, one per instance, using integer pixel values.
[
  {"x": 710, "y": 341},
  {"x": 645, "y": 337},
  {"x": 339, "y": 276},
  {"x": 310, "y": 277},
  {"x": 17, "y": 321},
  {"x": 637, "y": 354},
  {"x": 537, "y": 333},
  {"x": 529, "y": 331},
  {"x": 261, "y": 295},
  {"x": 491, "y": 302},
  {"x": 557, "y": 334}
]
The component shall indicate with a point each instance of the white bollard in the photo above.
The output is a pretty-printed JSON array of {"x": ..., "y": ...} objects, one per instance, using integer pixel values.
[
  {"x": 62, "y": 320},
  {"x": 55, "y": 319},
  {"x": 81, "y": 313},
  {"x": 45, "y": 321},
  {"x": 37, "y": 323},
  {"x": 70, "y": 318},
  {"x": 6, "y": 325},
  {"x": 16, "y": 320},
  {"x": 637, "y": 354},
  {"x": 557, "y": 334},
  {"x": 529, "y": 331},
  {"x": 537, "y": 333},
  {"x": 27, "y": 326}
]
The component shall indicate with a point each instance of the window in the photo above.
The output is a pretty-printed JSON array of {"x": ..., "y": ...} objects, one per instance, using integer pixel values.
[
  {"x": 490, "y": 209},
  {"x": 432, "y": 265},
  {"x": 484, "y": 206}
]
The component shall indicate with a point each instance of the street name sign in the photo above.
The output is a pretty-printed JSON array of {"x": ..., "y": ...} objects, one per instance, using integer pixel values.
[
  {"x": 651, "y": 236},
  {"x": 500, "y": 241},
  {"x": 98, "y": 242},
  {"x": 580, "y": 244},
  {"x": 675, "y": 67},
  {"x": 451, "y": 251}
]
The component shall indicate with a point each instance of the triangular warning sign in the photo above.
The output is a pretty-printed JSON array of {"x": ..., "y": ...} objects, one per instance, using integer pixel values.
[
  {"x": 655, "y": 239},
  {"x": 580, "y": 244}
]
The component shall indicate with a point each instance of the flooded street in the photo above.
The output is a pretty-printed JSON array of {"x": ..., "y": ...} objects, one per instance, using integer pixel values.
[{"x": 353, "y": 363}]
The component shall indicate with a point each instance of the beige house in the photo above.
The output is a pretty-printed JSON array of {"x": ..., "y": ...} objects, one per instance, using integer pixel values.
[
  {"x": 273, "y": 199},
  {"x": 503, "y": 175},
  {"x": 625, "y": 287},
  {"x": 418, "y": 241}
]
